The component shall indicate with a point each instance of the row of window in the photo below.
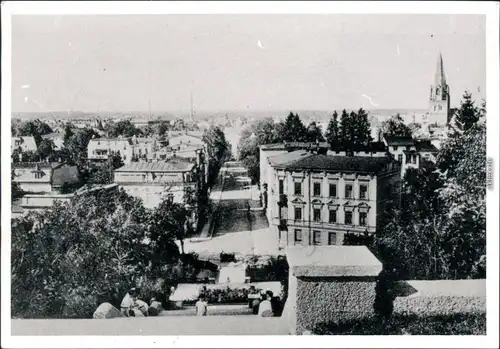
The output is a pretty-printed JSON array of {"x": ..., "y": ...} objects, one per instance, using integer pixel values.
[
  {"x": 410, "y": 159},
  {"x": 332, "y": 192},
  {"x": 332, "y": 237},
  {"x": 332, "y": 216}
]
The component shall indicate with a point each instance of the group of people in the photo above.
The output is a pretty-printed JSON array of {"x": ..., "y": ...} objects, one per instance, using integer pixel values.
[
  {"x": 265, "y": 305},
  {"x": 131, "y": 304}
]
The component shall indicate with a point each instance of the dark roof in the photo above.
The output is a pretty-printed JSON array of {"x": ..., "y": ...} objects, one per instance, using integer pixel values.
[
  {"x": 65, "y": 174},
  {"x": 50, "y": 165},
  {"x": 372, "y": 147},
  {"x": 171, "y": 165},
  {"x": 291, "y": 145},
  {"x": 426, "y": 146},
  {"x": 366, "y": 164},
  {"x": 398, "y": 140}
]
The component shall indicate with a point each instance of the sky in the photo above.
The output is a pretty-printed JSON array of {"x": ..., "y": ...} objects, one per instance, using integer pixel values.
[{"x": 236, "y": 62}]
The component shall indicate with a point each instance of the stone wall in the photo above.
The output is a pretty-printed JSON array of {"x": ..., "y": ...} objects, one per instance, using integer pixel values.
[
  {"x": 329, "y": 283},
  {"x": 337, "y": 283},
  {"x": 440, "y": 297}
]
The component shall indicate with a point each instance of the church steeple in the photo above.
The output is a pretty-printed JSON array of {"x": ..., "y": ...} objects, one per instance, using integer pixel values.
[
  {"x": 439, "y": 99},
  {"x": 439, "y": 78}
]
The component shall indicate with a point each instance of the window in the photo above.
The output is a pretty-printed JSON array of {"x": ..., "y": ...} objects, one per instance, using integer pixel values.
[
  {"x": 317, "y": 189},
  {"x": 348, "y": 191},
  {"x": 298, "y": 236},
  {"x": 400, "y": 158},
  {"x": 440, "y": 107},
  {"x": 332, "y": 216},
  {"x": 395, "y": 148},
  {"x": 316, "y": 237},
  {"x": 280, "y": 186},
  {"x": 18, "y": 142},
  {"x": 317, "y": 215},
  {"x": 408, "y": 158},
  {"x": 298, "y": 213},
  {"x": 332, "y": 238},
  {"x": 298, "y": 188},
  {"x": 333, "y": 190},
  {"x": 38, "y": 175},
  {"x": 362, "y": 218},
  {"x": 348, "y": 218},
  {"x": 363, "y": 191},
  {"x": 414, "y": 159}
]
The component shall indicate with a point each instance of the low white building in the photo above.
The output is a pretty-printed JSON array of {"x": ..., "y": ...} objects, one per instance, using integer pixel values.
[
  {"x": 23, "y": 143},
  {"x": 153, "y": 182}
]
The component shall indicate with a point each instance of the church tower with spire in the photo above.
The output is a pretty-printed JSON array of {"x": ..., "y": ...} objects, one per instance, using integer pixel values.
[{"x": 439, "y": 100}]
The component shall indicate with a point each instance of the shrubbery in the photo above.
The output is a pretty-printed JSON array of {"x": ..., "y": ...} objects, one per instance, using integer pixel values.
[
  {"x": 68, "y": 260},
  {"x": 459, "y": 324}
]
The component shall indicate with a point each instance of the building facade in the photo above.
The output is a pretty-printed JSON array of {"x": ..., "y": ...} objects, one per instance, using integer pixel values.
[
  {"x": 44, "y": 177},
  {"x": 317, "y": 199},
  {"x": 24, "y": 143},
  {"x": 153, "y": 182}
]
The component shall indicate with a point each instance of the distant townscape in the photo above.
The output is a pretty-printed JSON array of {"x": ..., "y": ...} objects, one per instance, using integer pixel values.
[{"x": 272, "y": 214}]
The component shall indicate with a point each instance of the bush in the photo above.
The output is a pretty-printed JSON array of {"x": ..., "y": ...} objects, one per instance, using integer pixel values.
[
  {"x": 458, "y": 324},
  {"x": 227, "y": 257}
]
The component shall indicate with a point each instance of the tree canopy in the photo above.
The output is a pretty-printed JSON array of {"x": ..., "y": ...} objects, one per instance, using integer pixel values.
[{"x": 395, "y": 126}]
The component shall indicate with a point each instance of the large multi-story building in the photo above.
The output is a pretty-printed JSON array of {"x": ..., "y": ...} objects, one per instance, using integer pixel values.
[{"x": 315, "y": 199}]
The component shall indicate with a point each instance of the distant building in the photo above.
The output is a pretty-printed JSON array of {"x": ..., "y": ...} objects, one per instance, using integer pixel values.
[
  {"x": 43, "y": 177},
  {"x": 439, "y": 98},
  {"x": 409, "y": 152},
  {"x": 23, "y": 143},
  {"x": 155, "y": 181},
  {"x": 57, "y": 138},
  {"x": 315, "y": 199},
  {"x": 43, "y": 201},
  {"x": 127, "y": 148},
  {"x": 191, "y": 139}
]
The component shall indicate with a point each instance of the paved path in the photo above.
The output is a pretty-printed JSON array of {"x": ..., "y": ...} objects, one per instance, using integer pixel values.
[
  {"x": 159, "y": 326},
  {"x": 243, "y": 227}
]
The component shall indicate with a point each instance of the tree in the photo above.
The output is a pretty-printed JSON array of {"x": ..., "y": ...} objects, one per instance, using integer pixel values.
[
  {"x": 264, "y": 131},
  {"x": 170, "y": 221},
  {"x": 293, "y": 129},
  {"x": 123, "y": 128},
  {"x": 395, "y": 126},
  {"x": 345, "y": 128},
  {"x": 163, "y": 128},
  {"x": 16, "y": 191},
  {"x": 75, "y": 148},
  {"x": 440, "y": 230},
  {"x": 105, "y": 173},
  {"x": 469, "y": 114},
  {"x": 67, "y": 260},
  {"x": 361, "y": 129},
  {"x": 332, "y": 132},
  {"x": 218, "y": 151},
  {"x": 68, "y": 134},
  {"x": 45, "y": 149},
  {"x": 314, "y": 133}
]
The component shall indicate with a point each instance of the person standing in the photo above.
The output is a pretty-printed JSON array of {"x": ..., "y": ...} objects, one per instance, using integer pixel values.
[
  {"x": 265, "y": 307},
  {"x": 201, "y": 307}
]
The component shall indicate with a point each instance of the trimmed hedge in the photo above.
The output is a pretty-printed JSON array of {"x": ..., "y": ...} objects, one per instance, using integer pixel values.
[{"x": 458, "y": 324}]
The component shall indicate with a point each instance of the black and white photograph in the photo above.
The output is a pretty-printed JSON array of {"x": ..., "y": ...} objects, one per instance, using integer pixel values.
[{"x": 200, "y": 173}]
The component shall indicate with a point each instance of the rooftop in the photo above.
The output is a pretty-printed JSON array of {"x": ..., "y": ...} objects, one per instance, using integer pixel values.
[
  {"x": 288, "y": 145},
  {"x": 41, "y": 165},
  {"x": 171, "y": 165},
  {"x": 65, "y": 174},
  {"x": 364, "y": 164},
  {"x": 287, "y": 157},
  {"x": 426, "y": 146},
  {"x": 398, "y": 140}
]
